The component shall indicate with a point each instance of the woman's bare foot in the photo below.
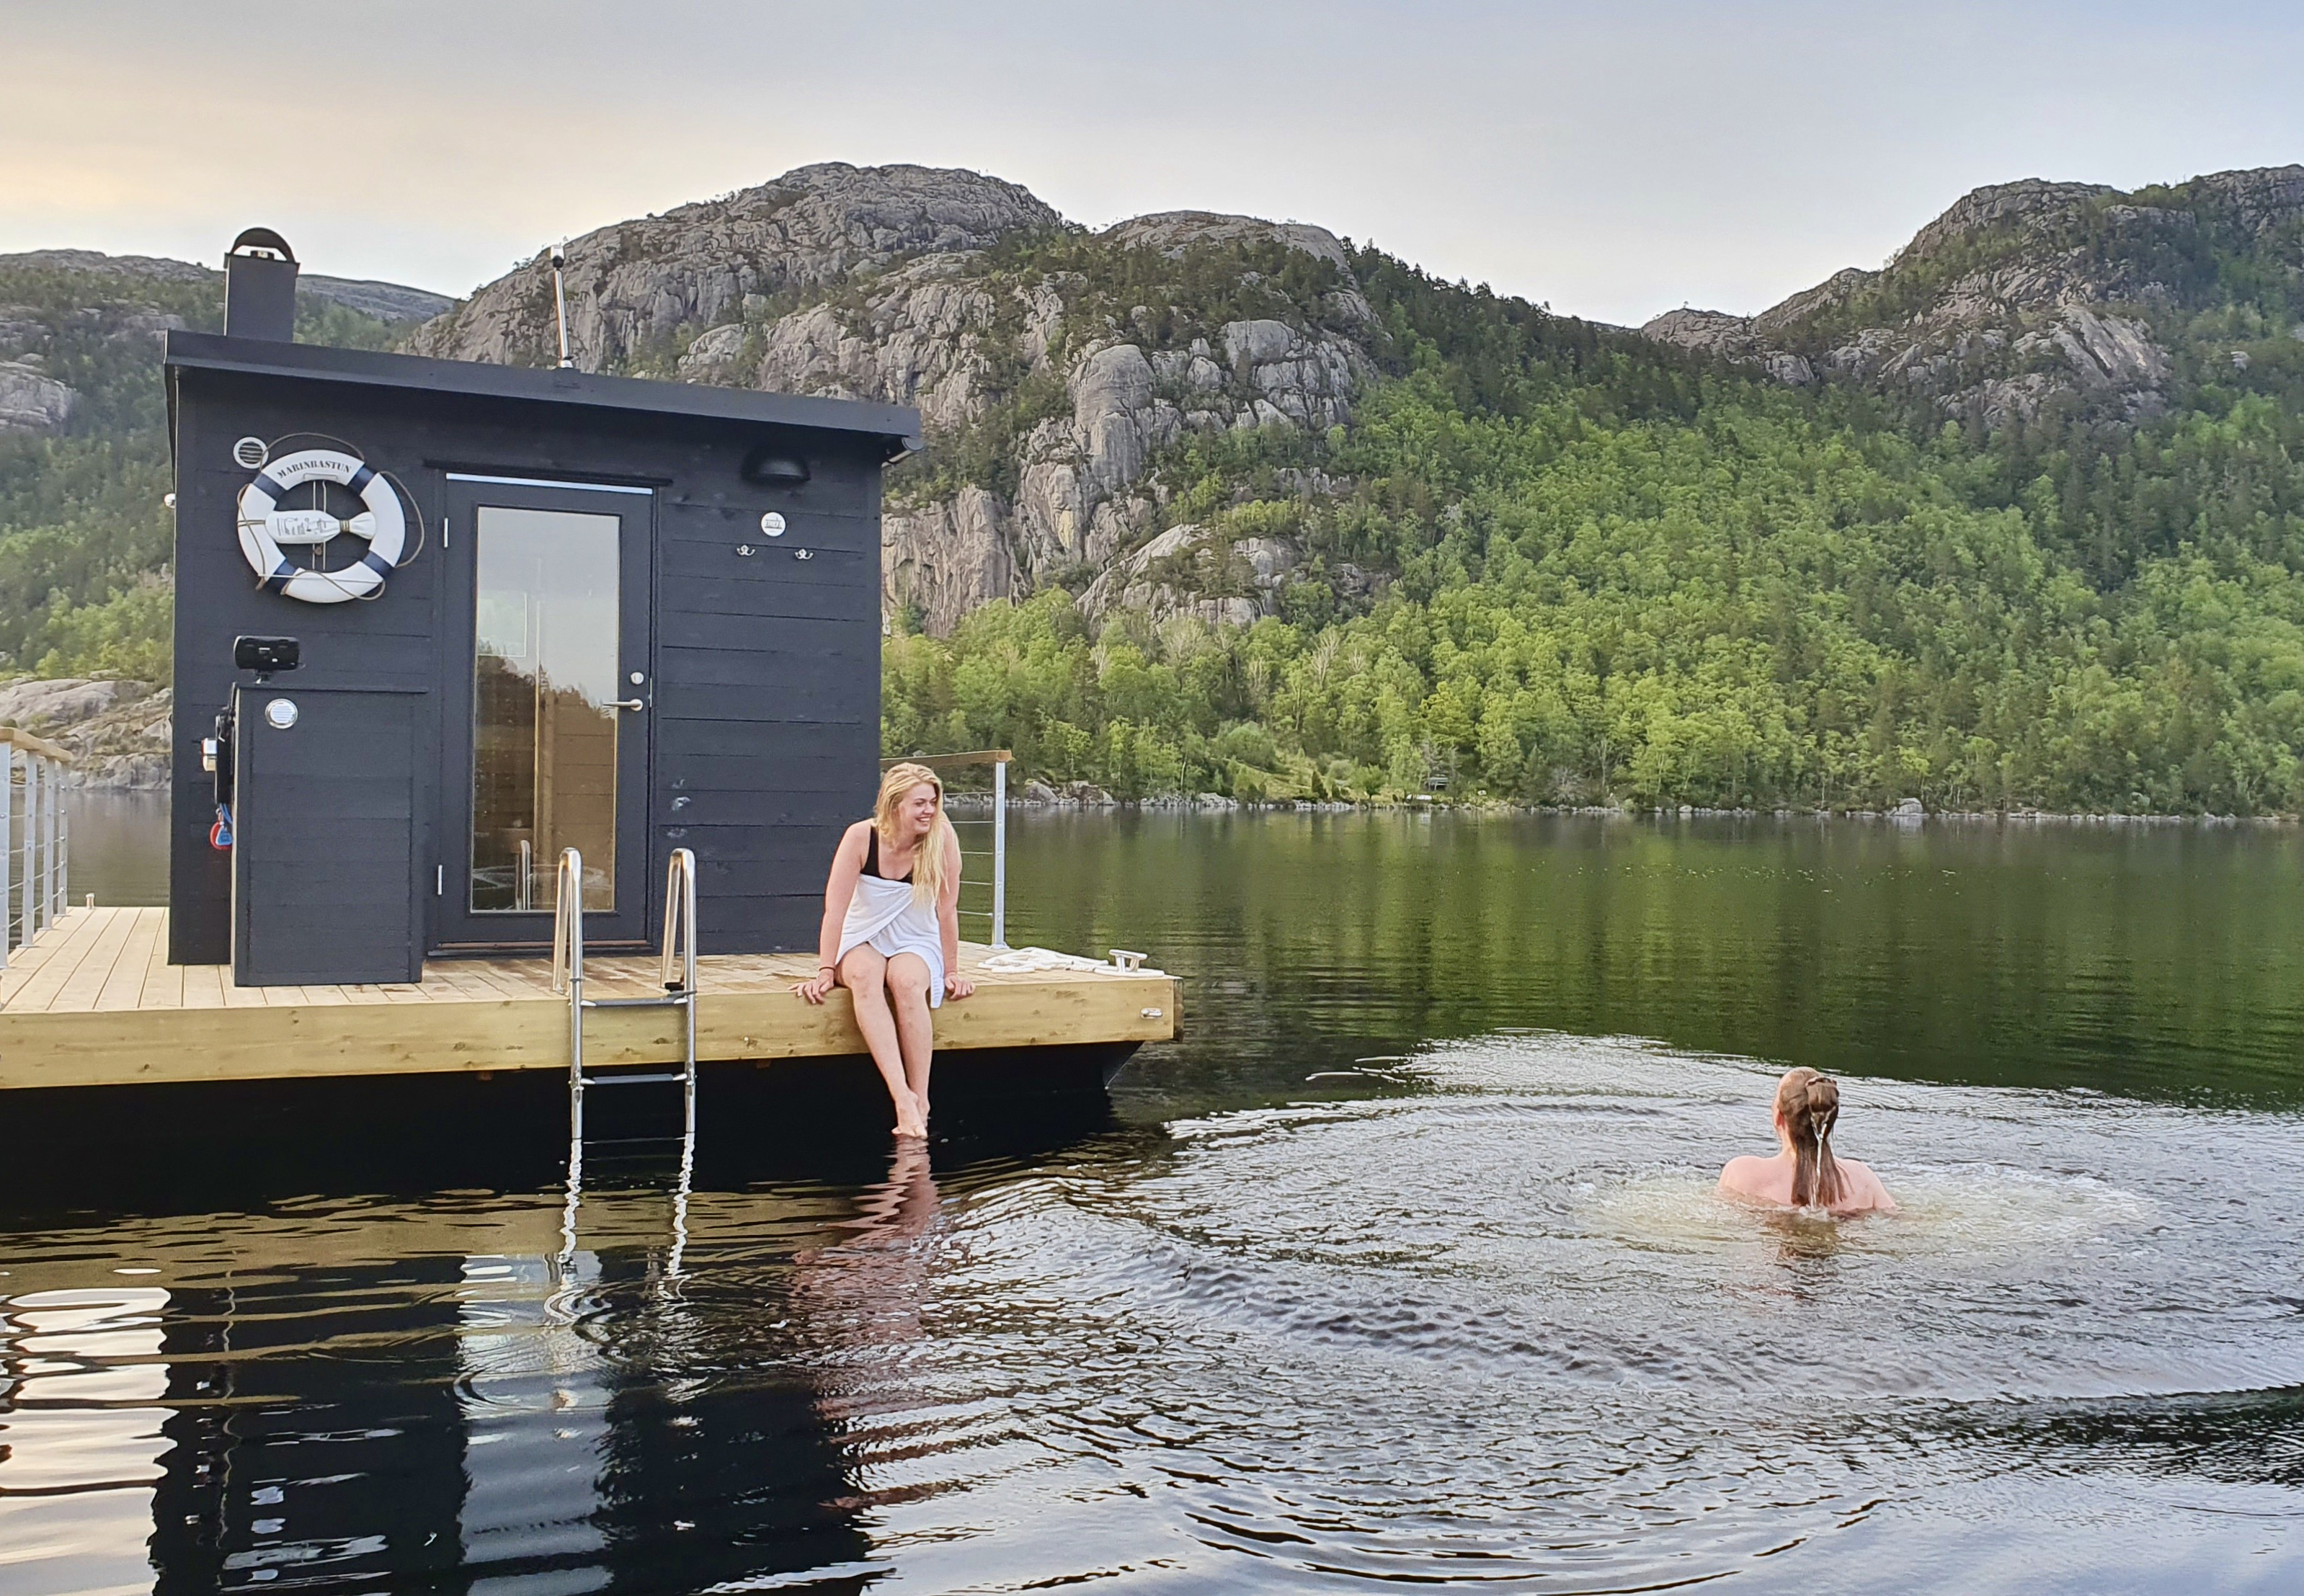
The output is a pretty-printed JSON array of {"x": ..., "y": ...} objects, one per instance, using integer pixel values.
[{"x": 912, "y": 1118}]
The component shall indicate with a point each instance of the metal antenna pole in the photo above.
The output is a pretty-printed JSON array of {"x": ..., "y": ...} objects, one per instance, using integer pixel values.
[{"x": 560, "y": 299}]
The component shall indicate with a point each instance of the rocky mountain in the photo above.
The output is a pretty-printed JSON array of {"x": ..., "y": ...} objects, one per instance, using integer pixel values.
[
  {"x": 2033, "y": 297},
  {"x": 1063, "y": 375},
  {"x": 73, "y": 309},
  {"x": 1054, "y": 368},
  {"x": 2018, "y": 519}
]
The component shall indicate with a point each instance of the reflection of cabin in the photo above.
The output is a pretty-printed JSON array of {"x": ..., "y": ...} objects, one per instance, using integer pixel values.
[{"x": 627, "y": 617}]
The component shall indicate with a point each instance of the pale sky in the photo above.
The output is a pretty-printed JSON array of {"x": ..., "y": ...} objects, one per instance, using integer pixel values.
[{"x": 1615, "y": 161}]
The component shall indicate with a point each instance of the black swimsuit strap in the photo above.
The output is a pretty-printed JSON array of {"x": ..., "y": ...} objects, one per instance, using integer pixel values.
[{"x": 872, "y": 852}]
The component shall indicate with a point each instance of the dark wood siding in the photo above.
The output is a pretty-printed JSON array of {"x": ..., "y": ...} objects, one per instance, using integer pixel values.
[{"x": 766, "y": 698}]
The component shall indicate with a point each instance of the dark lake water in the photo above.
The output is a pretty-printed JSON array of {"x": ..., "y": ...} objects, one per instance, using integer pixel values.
[{"x": 1402, "y": 1266}]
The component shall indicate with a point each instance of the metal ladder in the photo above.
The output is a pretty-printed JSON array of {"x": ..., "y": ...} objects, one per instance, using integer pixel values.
[{"x": 678, "y": 974}]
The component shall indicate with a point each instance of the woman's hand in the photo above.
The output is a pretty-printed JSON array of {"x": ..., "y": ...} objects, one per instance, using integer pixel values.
[
  {"x": 819, "y": 988},
  {"x": 958, "y": 986}
]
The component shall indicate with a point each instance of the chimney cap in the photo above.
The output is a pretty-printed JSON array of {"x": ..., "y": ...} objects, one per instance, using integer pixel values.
[{"x": 262, "y": 241}]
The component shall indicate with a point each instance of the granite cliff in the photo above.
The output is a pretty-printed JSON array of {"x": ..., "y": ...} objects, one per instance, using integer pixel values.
[
  {"x": 2030, "y": 297},
  {"x": 1054, "y": 369},
  {"x": 1060, "y": 372}
]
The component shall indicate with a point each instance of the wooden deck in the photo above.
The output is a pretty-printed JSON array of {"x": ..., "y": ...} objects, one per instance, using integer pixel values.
[{"x": 94, "y": 1001}]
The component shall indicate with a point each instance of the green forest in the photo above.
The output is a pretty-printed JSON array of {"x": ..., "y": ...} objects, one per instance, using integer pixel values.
[
  {"x": 1623, "y": 575},
  {"x": 85, "y": 535}
]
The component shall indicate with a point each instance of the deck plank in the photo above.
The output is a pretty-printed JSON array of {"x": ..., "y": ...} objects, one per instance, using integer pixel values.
[
  {"x": 40, "y": 966},
  {"x": 102, "y": 934},
  {"x": 94, "y": 1001},
  {"x": 242, "y": 997},
  {"x": 164, "y": 983},
  {"x": 204, "y": 985},
  {"x": 124, "y": 988}
]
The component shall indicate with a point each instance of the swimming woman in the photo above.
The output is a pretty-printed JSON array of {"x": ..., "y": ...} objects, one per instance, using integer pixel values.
[
  {"x": 1804, "y": 1172},
  {"x": 890, "y": 933}
]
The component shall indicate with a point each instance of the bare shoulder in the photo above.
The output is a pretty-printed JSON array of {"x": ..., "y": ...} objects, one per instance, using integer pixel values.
[
  {"x": 1740, "y": 1174},
  {"x": 1876, "y": 1194},
  {"x": 849, "y": 853}
]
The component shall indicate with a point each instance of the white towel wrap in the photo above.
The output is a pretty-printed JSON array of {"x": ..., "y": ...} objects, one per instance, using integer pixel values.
[{"x": 884, "y": 917}]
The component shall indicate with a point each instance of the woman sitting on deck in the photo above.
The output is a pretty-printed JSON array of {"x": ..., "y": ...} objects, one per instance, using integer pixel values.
[
  {"x": 890, "y": 933},
  {"x": 1804, "y": 1173}
]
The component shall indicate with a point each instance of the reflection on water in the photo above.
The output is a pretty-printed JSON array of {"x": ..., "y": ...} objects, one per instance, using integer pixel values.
[
  {"x": 2150, "y": 961},
  {"x": 119, "y": 847},
  {"x": 1462, "y": 1309},
  {"x": 80, "y": 1389},
  {"x": 1490, "y": 1325}
]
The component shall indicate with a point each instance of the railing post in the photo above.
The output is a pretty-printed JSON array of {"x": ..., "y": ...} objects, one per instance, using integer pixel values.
[
  {"x": 7, "y": 808},
  {"x": 35, "y": 814},
  {"x": 50, "y": 902},
  {"x": 28, "y": 845},
  {"x": 999, "y": 853},
  {"x": 40, "y": 911},
  {"x": 62, "y": 882}
]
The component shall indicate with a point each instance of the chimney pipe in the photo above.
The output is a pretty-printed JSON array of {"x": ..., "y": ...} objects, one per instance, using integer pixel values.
[{"x": 260, "y": 287}]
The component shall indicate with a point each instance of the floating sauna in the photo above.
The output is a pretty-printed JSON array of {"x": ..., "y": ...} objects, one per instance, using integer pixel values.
[{"x": 441, "y": 626}]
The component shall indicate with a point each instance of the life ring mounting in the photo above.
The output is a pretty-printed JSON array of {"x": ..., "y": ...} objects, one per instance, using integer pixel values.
[{"x": 265, "y": 527}]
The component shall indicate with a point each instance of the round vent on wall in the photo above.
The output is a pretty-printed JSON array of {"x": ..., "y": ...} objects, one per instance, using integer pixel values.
[{"x": 251, "y": 452}]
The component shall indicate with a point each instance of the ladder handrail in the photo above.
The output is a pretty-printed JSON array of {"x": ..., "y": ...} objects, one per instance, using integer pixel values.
[
  {"x": 678, "y": 955},
  {"x": 679, "y": 920},
  {"x": 568, "y": 921}
]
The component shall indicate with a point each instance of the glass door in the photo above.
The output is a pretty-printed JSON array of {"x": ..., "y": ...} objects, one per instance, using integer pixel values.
[{"x": 547, "y": 716}]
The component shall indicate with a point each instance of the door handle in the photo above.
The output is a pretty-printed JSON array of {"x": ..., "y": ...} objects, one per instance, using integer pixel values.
[{"x": 626, "y": 704}]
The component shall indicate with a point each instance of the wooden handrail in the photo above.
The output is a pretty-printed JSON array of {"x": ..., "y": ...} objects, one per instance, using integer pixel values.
[
  {"x": 41, "y": 745},
  {"x": 952, "y": 762}
]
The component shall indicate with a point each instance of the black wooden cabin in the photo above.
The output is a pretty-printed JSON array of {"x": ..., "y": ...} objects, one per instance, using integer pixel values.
[{"x": 625, "y": 616}]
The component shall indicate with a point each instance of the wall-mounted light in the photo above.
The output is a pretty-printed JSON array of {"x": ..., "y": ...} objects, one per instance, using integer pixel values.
[{"x": 769, "y": 465}]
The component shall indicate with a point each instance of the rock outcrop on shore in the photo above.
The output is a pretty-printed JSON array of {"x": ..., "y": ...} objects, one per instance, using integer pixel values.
[{"x": 116, "y": 731}]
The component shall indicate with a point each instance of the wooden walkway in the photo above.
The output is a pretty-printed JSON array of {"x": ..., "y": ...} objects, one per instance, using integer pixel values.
[{"x": 95, "y": 1002}]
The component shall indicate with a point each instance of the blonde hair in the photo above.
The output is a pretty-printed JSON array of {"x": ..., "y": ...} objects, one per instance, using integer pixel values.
[
  {"x": 927, "y": 864},
  {"x": 1807, "y": 1101}
]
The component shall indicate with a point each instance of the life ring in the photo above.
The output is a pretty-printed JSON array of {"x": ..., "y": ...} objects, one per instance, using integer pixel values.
[{"x": 264, "y": 526}]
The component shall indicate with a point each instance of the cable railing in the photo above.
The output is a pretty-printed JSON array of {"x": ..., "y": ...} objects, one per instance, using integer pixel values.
[
  {"x": 991, "y": 863},
  {"x": 35, "y": 837}
]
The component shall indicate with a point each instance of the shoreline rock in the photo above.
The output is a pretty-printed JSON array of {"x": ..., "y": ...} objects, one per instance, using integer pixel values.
[{"x": 118, "y": 732}]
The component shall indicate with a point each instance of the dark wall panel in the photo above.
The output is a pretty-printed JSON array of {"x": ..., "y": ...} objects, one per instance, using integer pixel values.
[
  {"x": 324, "y": 864},
  {"x": 766, "y": 679},
  {"x": 755, "y": 773},
  {"x": 746, "y": 807},
  {"x": 789, "y": 920},
  {"x": 831, "y": 569},
  {"x": 838, "y": 669},
  {"x": 770, "y": 597}
]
